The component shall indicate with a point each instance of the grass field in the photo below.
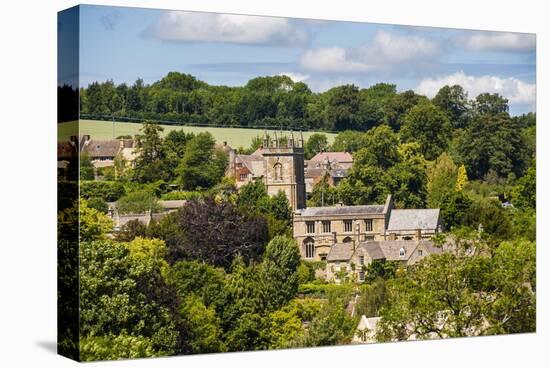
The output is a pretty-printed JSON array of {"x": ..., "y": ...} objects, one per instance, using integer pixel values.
[{"x": 235, "y": 137}]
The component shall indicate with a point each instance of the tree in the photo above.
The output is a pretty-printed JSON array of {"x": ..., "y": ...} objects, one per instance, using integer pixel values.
[
  {"x": 492, "y": 142},
  {"x": 285, "y": 325},
  {"x": 132, "y": 229},
  {"x": 372, "y": 298},
  {"x": 280, "y": 265},
  {"x": 141, "y": 201},
  {"x": 348, "y": 141},
  {"x": 122, "y": 346},
  {"x": 524, "y": 194},
  {"x": 343, "y": 107},
  {"x": 453, "y": 101},
  {"x": 426, "y": 124},
  {"x": 332, "y": 325},
  {"x": 122, "y": 294},
  {"x": 86, "y": 167},
  {"x": 461, "y": 178},
  {"x": 202, "y": 165},
  {"x": 203, "y": 333},
  {"x": 316, "y": 143},
  {"x": 492, "y": 104},
  {"x": 442, "y": 180},
  {"x": 217, "y": 232},
  {"x": 149, "y": 162}
]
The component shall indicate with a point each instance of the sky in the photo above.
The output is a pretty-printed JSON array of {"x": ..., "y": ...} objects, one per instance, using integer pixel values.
[{"x": 124, "y": 44}]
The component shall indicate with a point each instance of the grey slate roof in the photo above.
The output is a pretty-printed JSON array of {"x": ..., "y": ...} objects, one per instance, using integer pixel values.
[
  {"x": 411, "y": 219},
  {"x": 389, "y": 250},
  {"x": 342, "y": 210},
  {"x": 340, "y": 252},
  {"x": 172, "y": 204},
  {"x": 373, "y": 249}
]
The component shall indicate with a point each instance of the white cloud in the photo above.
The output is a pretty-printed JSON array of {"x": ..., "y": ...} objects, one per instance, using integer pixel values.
[
  {"x": 296, "y": 77},
  {"x": 517, "y": 91},
  {"x": 498, "y": 41},
  {"x": 210, "y": 27},
  {"x": 384, "y": 50}
]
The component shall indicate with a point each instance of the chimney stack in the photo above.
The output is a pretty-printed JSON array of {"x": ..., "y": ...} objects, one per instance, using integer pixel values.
[{"x": 418, "y": 234}]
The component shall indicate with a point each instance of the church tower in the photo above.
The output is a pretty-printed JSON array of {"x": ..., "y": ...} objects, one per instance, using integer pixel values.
[{"x": 284, "y": 168}]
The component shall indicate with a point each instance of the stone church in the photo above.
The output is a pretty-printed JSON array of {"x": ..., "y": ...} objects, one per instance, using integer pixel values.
[{"x": 279, "y": 163}]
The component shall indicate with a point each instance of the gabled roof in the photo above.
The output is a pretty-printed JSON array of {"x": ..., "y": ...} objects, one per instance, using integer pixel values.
[
  {"x": 102, "y": 148},
  {"x": 340, "y": 252},
  {"x": 373, "y": 249},
  {"x": 411, "y": 219},
  {"x": 342, "y": 210},
  {"x": 390, "y": 250},
  {"x": 333, "y": 156}
]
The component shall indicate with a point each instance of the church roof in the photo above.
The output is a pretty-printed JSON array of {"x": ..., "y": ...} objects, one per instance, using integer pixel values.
[
  {"x": 342, "y": 210},
  {"x": 411, "y": 219}
]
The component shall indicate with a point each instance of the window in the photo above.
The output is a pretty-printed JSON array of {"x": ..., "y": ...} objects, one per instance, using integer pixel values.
[
  {"x": 323, "y": 257},
  {"x": 243, "y": 176},
  {"x": 310, "y": 248},
  {"x": 310, "y": 227},
  {"x": 407, "y": 238},
  {"x": 361, "y": 260},
  {"x": 362, "y": 276},
  {"x": 346, "y": 240},
  {"x": 401, "y": 252},
  {"x": 278, "y": 168},
  {"x": 326, "y": 226},
  {"x": 419, "y": 252},
  {"x": 368, "y": 225},
  {"x": 336, "y": 266},
  {"x": 348, "y": 225}
]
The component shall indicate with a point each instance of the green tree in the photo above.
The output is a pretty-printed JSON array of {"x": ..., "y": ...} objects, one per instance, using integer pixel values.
[
  {"x": 86, "y": 167},
  {"x": 138, "y": 202},
  {"x": 280, "y": 264},
  {"x": 442, "y": 180},
  {"x": 121, "y": 293},
  {"x": 149, "y": 163},
  {"x": 202, "y": 165},
  {"x": 348, "y": 141},
  {"x": 524, "y": 194},
  {"x": 426, "y": 124},
  {"x": 316, "y": 143},
  {"x": 203, "y": 333},
  {"x": 453, "y": 100}
]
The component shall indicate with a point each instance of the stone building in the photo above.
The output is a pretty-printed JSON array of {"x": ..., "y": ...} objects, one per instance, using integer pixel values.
[
  {"x": 278, "y": 163},
  {"x": 318, "y": 229},
  {"x": 350, "y": 260}
]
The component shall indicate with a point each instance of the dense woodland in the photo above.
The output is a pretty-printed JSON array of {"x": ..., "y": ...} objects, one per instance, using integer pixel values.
[{"x": 224, "y": 274}]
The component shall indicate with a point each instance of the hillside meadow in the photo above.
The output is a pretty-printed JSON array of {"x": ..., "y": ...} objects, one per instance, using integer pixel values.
[{"x": 235, "y": 137}]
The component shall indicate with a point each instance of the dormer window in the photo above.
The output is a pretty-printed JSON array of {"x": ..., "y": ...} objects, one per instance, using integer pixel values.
[{"x": 401, "y": 252}]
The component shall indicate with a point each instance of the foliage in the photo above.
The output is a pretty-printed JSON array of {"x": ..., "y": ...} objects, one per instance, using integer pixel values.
[
  {"x": 442, "y": 180},
  {"x": 99, "y": 204},
  {"x": 280, "y": 265},
  {"x": 372, "y": 298},
  {"x": 138, "y": 202},
  {"x": 316, "y": 143},
  {"x": 427, "y": 125},
  {"x": 448, "y": 294},
  {"x": 132, "y": 229},
  {"x": 524, "y": 194},
  {"x": 86, "y": 167},
  {"x": 121, "y": 293},
  {"x": 108, "y": 190},
  {"x": 217, "y": 232},
  {"x": 122, "y": 346}
]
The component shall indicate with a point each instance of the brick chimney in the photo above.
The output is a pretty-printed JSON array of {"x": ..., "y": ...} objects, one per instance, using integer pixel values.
[{"x": 418, "y": 234}]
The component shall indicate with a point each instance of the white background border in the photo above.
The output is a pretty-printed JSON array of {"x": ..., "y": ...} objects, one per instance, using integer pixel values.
[{"x": 28, "y": 186}]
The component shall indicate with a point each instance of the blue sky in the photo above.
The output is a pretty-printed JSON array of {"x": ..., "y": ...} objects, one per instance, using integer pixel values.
[{"x": 124, "y": 44}]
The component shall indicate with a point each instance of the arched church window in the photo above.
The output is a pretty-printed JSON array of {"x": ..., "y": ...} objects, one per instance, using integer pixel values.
[
  {"x": 347, "y": 240},
  {"x": 309, "y": 245}
]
